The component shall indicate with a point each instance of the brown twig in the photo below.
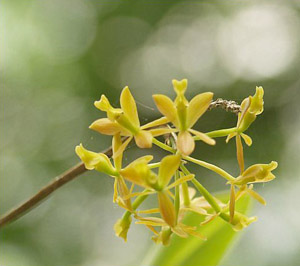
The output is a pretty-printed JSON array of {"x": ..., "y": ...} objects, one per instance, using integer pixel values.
[
  {"x": 45, "y": 192},
  {"x": 79, "y": 169}
]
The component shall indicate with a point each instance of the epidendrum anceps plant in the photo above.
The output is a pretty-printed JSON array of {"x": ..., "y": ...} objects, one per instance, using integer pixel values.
[{"x": 170, "y": 179}]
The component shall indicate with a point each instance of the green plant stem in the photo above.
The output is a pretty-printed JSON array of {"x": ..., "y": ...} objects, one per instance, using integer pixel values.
[
  {"x": 209, "y": 198},
  {"x": 211, "y": 167},
  {"x": 220, "y": 133},
  {"x": 137, "y": 202},
  {"x": 162, "y": 145}
]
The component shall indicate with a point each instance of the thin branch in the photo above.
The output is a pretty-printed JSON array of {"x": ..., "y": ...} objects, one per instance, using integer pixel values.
[
  {"x": 79, "y": 169},
  {"x": 33, "y": 202}
]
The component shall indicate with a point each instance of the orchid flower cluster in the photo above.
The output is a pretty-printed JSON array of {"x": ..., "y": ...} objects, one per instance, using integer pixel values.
[{"x": 170, "y": 180}]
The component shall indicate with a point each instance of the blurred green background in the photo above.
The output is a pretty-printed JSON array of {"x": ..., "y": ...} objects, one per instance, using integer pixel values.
[{"x": 59, "y": 56}]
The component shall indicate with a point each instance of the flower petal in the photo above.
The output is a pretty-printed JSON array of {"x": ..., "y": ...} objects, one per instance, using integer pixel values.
[
  {"x": 104, "y": 105},
  {"x": 197, "y": 107},
  {"x": 195, "y": 209},
  {"x": 162, "y": 131},
  {"x": 116, "y": 144},
  {"x": 138, "y": 171},
  {"x": 180, "y": 181},
  {"x": 153, "y": 221},
  {"x": 240, "y": 153},
  {"x": 158, "y": 122},
  {"x": 166, "y": 107},
  {"x": 167, "y": 209},
  {"x": 115, "y": 190},
  {"x": 247, "y": 139},
  {"x": 209, "y": 219},
  {"x": 257, "y": 102},
  {"x": 245, "y": 106},
  {"x": 180, "y": 86},
  {"x": 136, "y": 194},
  {"x": 143, "y": 139},
  {"x": 203, "y": 137},
  {"x": 107, "y": 127},
  {"x": 128, "y": 106},
  {"x": 167, "y": 169},
  {"x": 256, "y": 196},
  {"x": 232, "y": 202},
  {"x": 185, "y": 143},
  {"x": 179, "y": 231},
  {"x": 230, "y": 136},
  {"x": 192, "y": 231},
  {"x": 122, "y": 226},
  {"x": 123, "y": 192},
  {"x": 121, "y": 148},
  {"x": 149, "y": 211}
]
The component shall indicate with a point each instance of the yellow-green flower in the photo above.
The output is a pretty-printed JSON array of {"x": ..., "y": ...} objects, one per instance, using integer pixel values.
[
  {"x": 184, "y": 115},
  {"x": 241, "y": 221},
  {"x": 251, "y": 107},
  {"x": 97, "y": 161},
  {"x": 256, "y": 173},
  {"x": 125, "y": 121},
  {"x": 124, "y": 125}
]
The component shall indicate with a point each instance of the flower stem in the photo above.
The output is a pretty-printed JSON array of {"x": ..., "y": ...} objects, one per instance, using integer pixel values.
[
  {"x": 162, "y": 145},
  {"x": 137, "y": 202},
  {"x": 220, "y": 132},
  {"x": 211, "y": 167},
  {"x": 209, "y": 198}
]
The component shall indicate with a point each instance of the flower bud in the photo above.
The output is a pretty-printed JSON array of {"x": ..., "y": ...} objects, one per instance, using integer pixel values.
[
  {"x": 251, "y": 110},
  {"x": 93, "y": 160}
]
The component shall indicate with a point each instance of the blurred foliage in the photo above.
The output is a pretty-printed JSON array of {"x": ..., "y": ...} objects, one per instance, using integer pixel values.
[{"x": 58, "y": 56}]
